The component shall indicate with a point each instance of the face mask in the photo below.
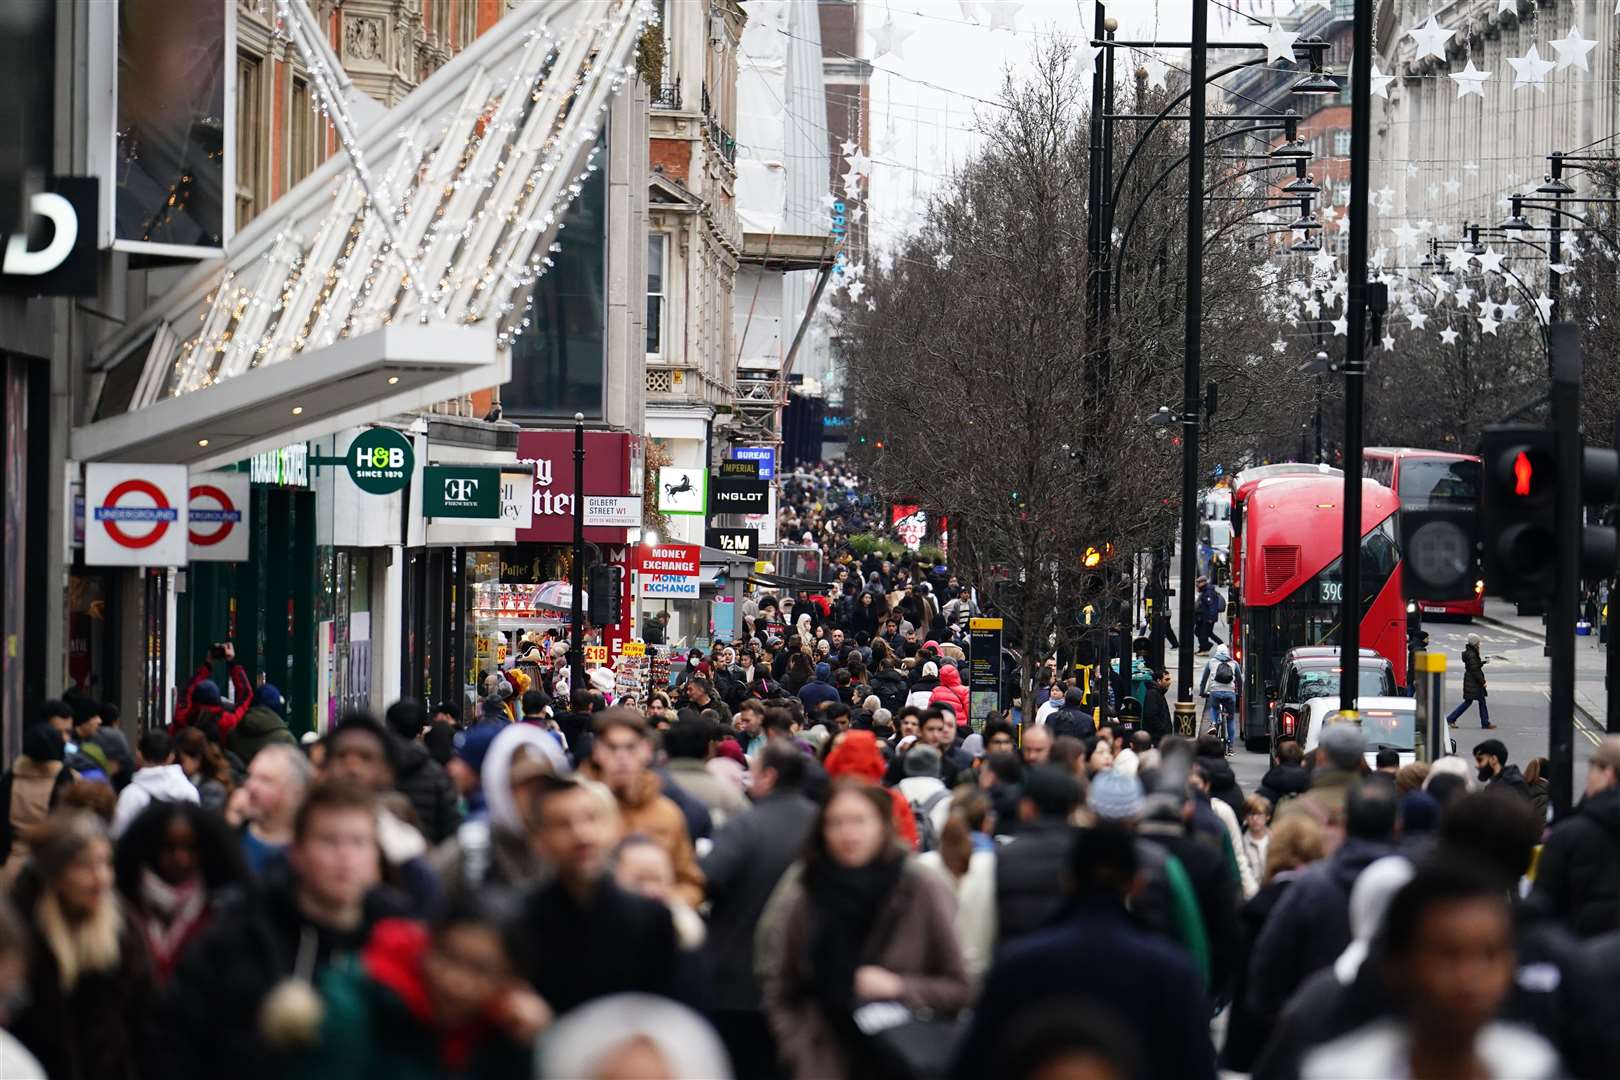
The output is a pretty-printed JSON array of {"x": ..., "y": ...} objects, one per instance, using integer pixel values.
[{"x": 1485, "y": 774}]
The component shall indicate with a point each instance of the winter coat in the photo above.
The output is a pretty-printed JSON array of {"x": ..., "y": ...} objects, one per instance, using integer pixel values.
[
  {"x": 975, "y": 893},
  {"x": 1223, "y": 783},
  {"x": 1578, "y": 874},
  {"x": 1156, "y": 719},
  {"x": 890, "y": 688},
  {"x": 816, "y": 693},
  {"x": 1309, "y": 927},
  {"x": 28, "y": 794},
  {"x": 1030, "y": 871},
  {"x": 615, "y": 943},
  {"x": 163, "y": 783},
  {"x": 951, "y": 691},
  {"x": 1216, "y": 886},
  {"x": 725, "y": 801},
  {"x": 378, "y": 1023},
  {"x": 99, "y": 1029},
  {"x": 1210, "y": 603},
  {"x": 425, "y": 783},
  {"x": 1384, "y": 1048},
  {"x": 260, "y": 727},
  {"x": 1144, "y": 981},
  {"x": 1283, "y": 780},
  {"x": 1246, "y": 1032},
  {"x": 649, "y": 812},
  {"x": 741, "y": 870},
  {"x": 208, "y": 1016},
  {"x": 913, "y": 935},
  {"x": 1074, "y": 718},
  {"x": 1473, "y": 673}
]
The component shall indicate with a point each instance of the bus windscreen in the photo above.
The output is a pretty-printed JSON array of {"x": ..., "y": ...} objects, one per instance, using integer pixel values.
[{"x": 1437, "y": 481}]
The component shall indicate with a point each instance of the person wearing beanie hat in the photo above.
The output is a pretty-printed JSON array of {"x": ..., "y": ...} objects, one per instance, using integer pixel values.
[
  {"x": 260, "y": 726},
  {"x": 857, "y": 755},
  {"x": 89, "y": 980},
  {"x": 29, "y": 791},
  {"x": 820, "y": 691},
  {"x": 1115, "y": 797}
]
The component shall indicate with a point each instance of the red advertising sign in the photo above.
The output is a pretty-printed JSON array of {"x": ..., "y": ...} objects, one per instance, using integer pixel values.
[
  {"x": 551, "y": 455},
  {"x": 682, "y": 559}
]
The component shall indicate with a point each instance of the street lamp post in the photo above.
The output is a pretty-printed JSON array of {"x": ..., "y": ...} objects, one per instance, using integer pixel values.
[{"x": 576, "y": 606}]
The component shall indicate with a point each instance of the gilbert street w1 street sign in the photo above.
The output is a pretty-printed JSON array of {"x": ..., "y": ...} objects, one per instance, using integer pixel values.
[
  {"x": 462, "y": 491},
  {"x": 135, "y": 515},
  {"x": 217, "y": 513}
]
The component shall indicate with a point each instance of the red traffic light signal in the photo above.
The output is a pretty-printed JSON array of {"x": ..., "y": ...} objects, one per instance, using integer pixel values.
[{"x": 1523, "y": 470}]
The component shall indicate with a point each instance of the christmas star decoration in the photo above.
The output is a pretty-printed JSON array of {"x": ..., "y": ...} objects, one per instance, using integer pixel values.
[
  {"x": 1509, "y": 310},
  {"x": 1560, "y": 268},
  {"x": 1379, "y": 256},
  {"x": 848, "y": 147},
  {"x": 1279, "y": 43},
  {"x": 1470, "y": 80},
  {"x": 1389, "y": 343},
  {"x": 1441, "y": 285},
  {"x": 1411, "y": 169},
  {"x": 1405, "y": 235},
  {"x": 855, "y": 290},
  {"x": 1341, "y": 327},
  {"x": 1433, "y": 190},
  {"x": 1572, "y": 49},
  {"x": 1085, "y": 56},
  {"x": 1487, "y": 305},
  {"x": 1313, "y": 309},
  {"x": 1544, "y": 306},
  {"x": 1530, "y": 70},
  {"x": 1004, "y": 15},
  {"x": 1324, "y": 261},
  {"x": 1417, "y": 319},
  {"x": 1452, "y": 185},
  {"x": 1431, "y": 39},
  {"x": 1380, "y": 83},
  {"x": 1491, "y": 260},
  {"x": 1488, "y": 325},
  {"x": 852, "y": 182},
  {"x": 1342, "y": 222},
  {"x": 889, "y": 37},
  {"x": 1458, "y": 259},
  {"x": 970, "y": 10},
  {"x": 1156, "y": 71},
  {"x": 859, "y": 163},
  {"x": 856, "y": 213},
  {"x": 1385, "y": 197},
  {"x": 828, "y": 200},
  {"x": 1447, "y": 336},
  {"x": 1279, "y": 346},
  {"x": 1465, "y": 296}
]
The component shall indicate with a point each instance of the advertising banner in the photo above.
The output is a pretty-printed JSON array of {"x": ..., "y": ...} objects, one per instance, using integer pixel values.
[
  {"x": 135, "y": 515},
  {"x": 380, "y": 461},
  {"x": 682, "y": 491},
  {"x": 462, "y": 491},
  {"x": 910, "y": 524},
  {"x": 738, "y": 495},
  {"x": 765, "y": 455},
  {"x": 217, "y": 517},
  {"x": 984, "y": 669},
  {"x": 735, "y": 541},
  {"x": 551, "y": 455},
  {"x": 668, "y": 570}
]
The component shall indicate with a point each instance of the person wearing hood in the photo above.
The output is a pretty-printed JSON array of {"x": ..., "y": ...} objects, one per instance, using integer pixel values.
[
  {"x": 1491, "y": 759},
  {"x": 208, "y": 711},
  {"x": 1310, "y": 926},
  {"x": 1578, "y": 874},
  {"x": 1473, "y": 684},
  {"x": 856, "y": 754},
  {"x": 158, "y": 779},
  {"x": 1074, "y": 718},
  {"x": 260, "y": 726},
  {"x": 951, "y": 692},
  {"x": 1219, "y": 685},
  {"x": 498, "y": 770},
  {"x": 417, "y": 776},
  {"x": 820, "y": 691},
  {"x": 29, "y": 791},
  {"x": 420, "y": 1002},
  {"x": 1054, "y": 702}
]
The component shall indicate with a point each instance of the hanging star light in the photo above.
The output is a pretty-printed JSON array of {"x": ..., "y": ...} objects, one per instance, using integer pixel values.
[
  {"x": 1004, "y": 16},
  {"x": 1458, "y": 259},
  {"x": 1488, "y": 325},
  {"x": 1156, "y": 71},
  {"x": 1279, "y": 346},
  {"x": 1431, "y": 39},
  {"x": 1470, "y": 80},
  {"x": 1411, "y": 169},
  {"x": 859, "y": 163},
  {"x": 1417, "y": 319},
  {"x": 1448, "y": 335},
  {"x": 970, "y": 9},
  {"x": 1544, "y": 307},
  {"x": 1487, "y": 305},
  {"x": 1279, "y": 43},
  {"x": 1441, "y": 285},
  {"x": 1380, "y": 83},
  {"x": 942, "y": 261},
  {"x": 1530, "y": 70},
  {"x": 1342, "y": 222},
  {"x": 1313, "y": 309},
  {"x": 1385, "y": 198},
  {"x": 1405, "y": 235},
  {"x": 1491, "y": 261},
  {"x": 1452, "y": 185},
  {"x": 1324, "y": 261},
  {"x": 1509, "y": 311},
  {"x": 1465, "y": 296},
  {"x": 888, "y": 38},
  {"x": 1433, "y": 190},
  {"x": 1341, "y": 327},
  {"x": 1085, "y": 56},
  {"x": 1572, "y": 49}
]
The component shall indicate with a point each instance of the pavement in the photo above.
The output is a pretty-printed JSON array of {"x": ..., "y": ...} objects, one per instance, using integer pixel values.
[{"x": 1516, "y": 683}]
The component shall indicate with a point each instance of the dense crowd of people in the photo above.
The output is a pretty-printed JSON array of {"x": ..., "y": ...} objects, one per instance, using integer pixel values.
[{"x": 801, "y": 859}]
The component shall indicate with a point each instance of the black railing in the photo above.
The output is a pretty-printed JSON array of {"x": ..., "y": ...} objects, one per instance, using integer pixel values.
[
  {"x": 722, "y": 139},
  {"x": 668, "y": 95}
]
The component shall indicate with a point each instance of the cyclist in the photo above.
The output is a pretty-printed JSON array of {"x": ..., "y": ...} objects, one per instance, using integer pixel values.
[{"x": 1219, "y": 686}]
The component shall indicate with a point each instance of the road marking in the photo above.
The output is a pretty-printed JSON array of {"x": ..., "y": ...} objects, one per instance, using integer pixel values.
[{"x": 1582, "y": 725}]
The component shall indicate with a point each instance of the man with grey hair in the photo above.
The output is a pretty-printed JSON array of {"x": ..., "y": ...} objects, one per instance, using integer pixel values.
[
  {"x": 268, "y": 803},
  {"x": 930, "y": 799},
  {"x": 1340, "y": 760}
]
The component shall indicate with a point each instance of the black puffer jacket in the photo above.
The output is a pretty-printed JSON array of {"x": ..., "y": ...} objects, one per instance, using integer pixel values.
[
  {"x": 1074, "y": 718},
  {"x": 423, "y": 781},
  {"x": 890, "y": 687},
  {"x": 1283, "y": 780},
  {"x": 1578, "y": 875},
  {"x": 1223, "y": 783},
  {"x": 1029, "y": 877}
]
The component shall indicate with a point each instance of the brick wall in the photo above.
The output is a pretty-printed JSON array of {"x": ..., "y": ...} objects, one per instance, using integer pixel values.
[{"x": 671, "y": 157}]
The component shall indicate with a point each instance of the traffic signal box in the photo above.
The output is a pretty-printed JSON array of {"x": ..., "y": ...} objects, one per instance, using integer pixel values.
[
  {"x": 605, "y": 590},
  {"x": 1518, "y": 525}
]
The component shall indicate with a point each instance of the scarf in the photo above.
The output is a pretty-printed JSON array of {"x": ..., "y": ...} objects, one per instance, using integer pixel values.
[
  {"x": 79, "y": 948},
  {"x": 844, "y": 904},
  {"x": 171, "y": 913}
]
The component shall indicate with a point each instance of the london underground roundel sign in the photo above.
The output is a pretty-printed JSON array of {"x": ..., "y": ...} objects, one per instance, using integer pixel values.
[
  {"x": 217, "y": 515},
  {"x": 135, "y": 515}
]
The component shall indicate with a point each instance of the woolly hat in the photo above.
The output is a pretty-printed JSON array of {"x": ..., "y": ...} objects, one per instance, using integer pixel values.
[
  {"x": 1115, "y": 796},
  {"x": 601, "y": 678},
  {"x": 1344, "y": 745},
  {"x": 471, "y": 745},
  {"x": 205, "y": 693},
  {"x": 269, "y": 697},
  {"x": 823, "y": 671}
]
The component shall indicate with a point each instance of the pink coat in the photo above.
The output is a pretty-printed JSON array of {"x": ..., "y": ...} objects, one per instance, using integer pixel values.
[{"x": 951, "y": 691}]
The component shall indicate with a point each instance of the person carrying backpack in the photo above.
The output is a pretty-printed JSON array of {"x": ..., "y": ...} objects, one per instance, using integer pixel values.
[
  {"x": 927, "y": 795},
  {"x": 1219, "y": 684}
]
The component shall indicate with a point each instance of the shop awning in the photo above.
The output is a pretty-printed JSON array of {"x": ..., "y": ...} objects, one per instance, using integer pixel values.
[
  {"x": 357, "y": 380},
  {"x": 419, "y": 273}
]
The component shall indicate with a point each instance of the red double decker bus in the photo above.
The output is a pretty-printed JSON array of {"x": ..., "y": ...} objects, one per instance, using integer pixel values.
[
  {"x": 1425, "y": 478},
  {"x": 1291, "y": 588}
]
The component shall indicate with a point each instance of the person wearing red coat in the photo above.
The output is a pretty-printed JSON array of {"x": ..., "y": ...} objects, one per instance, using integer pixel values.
[{"x": 951, "y": 692}]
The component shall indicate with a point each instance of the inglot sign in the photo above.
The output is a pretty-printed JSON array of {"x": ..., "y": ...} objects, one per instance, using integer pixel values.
[{"x": 738, "y": 495}]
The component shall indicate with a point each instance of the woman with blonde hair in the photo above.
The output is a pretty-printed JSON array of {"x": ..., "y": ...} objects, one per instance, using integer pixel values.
[{"x": 89, "y": 981}]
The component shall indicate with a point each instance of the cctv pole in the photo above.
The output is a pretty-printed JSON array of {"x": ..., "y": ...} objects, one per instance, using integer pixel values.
[
  {"x": 1186, "y": 710},
  {"x": 1355, "y": 359},
  {"x": 576, "y": 605}
]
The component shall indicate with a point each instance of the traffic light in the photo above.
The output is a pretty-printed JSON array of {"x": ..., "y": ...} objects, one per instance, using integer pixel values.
[
  {"x": 605, "y": 590},
  {"x": 1518, "y": 492},
  {"x": 1439, "y": 546}
]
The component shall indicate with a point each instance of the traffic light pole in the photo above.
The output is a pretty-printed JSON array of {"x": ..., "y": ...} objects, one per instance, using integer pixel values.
[
  {"x": 576, "y": 608},
  {"x": 1566, "y": 417},
  {"x": 1197, "y": 112}
]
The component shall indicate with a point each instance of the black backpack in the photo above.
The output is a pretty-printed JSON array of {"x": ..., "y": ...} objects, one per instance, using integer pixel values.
[{"x": 1224, "y": 673}]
